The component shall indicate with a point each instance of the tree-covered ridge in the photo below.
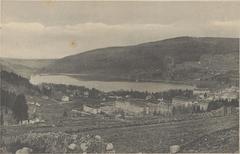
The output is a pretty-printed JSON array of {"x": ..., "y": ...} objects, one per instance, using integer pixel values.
[
  {"x": 14, "y": 79},
  {"x": 16, "y": 83},
  {"x": 172, "y": 59}
]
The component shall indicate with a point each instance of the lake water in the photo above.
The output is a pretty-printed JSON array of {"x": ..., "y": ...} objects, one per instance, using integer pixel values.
[{"x": 108, "y": 85}]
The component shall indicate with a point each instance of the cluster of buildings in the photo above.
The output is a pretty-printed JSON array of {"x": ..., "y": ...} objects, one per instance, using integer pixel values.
[{"x": 179, "y": 105}]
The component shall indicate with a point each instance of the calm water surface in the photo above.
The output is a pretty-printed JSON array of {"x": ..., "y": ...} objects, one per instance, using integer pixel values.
[{"x": 108, "y": 85}]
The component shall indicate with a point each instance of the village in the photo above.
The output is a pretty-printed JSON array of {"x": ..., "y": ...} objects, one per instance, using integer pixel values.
[{"x": 78, "y": 102}]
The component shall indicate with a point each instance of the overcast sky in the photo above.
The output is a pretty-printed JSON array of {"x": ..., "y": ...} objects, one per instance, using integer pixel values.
[{"x": 50, "y": 29}]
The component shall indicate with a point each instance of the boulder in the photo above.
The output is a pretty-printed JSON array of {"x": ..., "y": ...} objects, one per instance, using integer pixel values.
[
  {"x": 97, "y": 137},
  {"x": 109, "y": 147},
  {"x": 72, "y": 146},
  {"x": 74, "y": 137},
  {"x": 24, "y": 150},
  {"x": 174, "y": 148},
  {"x": 84, "y": 147}
]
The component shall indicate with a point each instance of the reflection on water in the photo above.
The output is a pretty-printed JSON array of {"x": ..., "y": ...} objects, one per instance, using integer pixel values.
[{"x": 107, "y": 85}]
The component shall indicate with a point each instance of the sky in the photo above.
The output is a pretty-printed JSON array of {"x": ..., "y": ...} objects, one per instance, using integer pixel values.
[{"x": 54, "y": 29}]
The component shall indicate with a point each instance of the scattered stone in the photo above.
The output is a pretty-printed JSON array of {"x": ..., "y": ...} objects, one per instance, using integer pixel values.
[
  {"x": 109, "y": 147},
  {"x": 4, "y": 150},
  {"x": 84, "y": 147},
  {"x": 97, "y": 137},
  {"x": 24, "y": 150},
  {"x": 72, "y": 146},
  {"x": 174, "y": 148}
]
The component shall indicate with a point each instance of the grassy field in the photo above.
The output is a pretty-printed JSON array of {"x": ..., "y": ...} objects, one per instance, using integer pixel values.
[
  {"x": 147, "y": 138},
  {"x": 158, "y": 137},
  {"x": 224, "y": 141}
]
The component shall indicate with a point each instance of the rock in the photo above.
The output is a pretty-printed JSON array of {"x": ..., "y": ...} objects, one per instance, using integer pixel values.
[
  {"x": 24, "y": 150},
  {"x": 84, "y": 147},
  {"x": 174, "y": 148},
  {"x": 4, "y": 150},
  {"x": 72, "y": 146},
  {"x": 109, "y": 147},
  {"x": 191, "y": 151},
  {"x": 97, "y": 137}
]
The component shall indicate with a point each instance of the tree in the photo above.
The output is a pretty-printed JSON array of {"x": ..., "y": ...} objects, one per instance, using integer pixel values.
[
  {"x": 65, "y": 114},
  {"x": 205, "y": 95},
  {"x": 20, "y": 108}
]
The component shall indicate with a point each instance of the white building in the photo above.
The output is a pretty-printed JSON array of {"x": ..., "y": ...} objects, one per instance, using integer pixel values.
[
  {"x": 86, "y": 94},
  {"x": 160, "y": 108},
  {"x": 91, "y": 110},
  {"x": 201, "y": 91},
  {"x": 128, "y": 107},
  {"x": 65, "y": 99},
  {"x": 179, "y": 101}
]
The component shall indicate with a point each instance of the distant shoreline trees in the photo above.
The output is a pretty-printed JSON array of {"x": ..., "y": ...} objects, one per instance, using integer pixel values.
[{"x": 166, "y": 95}]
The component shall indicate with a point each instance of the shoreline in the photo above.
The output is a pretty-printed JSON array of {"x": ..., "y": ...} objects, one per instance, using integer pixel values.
[{"x": 86, "y": 77}]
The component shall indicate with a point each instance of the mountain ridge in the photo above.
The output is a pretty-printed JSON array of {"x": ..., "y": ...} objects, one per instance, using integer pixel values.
[{"x": 156, "y": 59}]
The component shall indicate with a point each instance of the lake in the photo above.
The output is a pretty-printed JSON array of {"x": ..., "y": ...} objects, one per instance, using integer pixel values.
[{"x": 107, "y": 86}]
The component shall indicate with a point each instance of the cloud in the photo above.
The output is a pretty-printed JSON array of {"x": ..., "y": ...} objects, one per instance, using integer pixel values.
[
  {"x": 228, "y": 24},
  {"x": 35, "y": 40}
]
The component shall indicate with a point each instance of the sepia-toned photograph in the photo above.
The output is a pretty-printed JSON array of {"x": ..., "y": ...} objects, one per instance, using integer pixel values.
[{"x": 119, "y": 76}]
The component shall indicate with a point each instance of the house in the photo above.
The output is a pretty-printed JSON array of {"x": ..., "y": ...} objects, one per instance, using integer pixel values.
[
  {"x": 30, "y": 103},
  {"x": 91, "y": 110},
  {"x": 128, "y": 107},
  {"x": 32, "y": 121},
  {"x": 160, "y": 99},
  {"x": 200, "y": 91},
  {"x": 86, "y": 93},
  {"x": 203, "y": 106},
  {"x": 229, "y": 95},
  {"x": 160, "y": 109},
  {"x": 115, "y": 97},
  {"x": 127, "y": 96},
  {"x": 149, "y": 97},
  {"x": 108, "y": 109},
  {"x": 65, "y": 99},
  {"x": 182, "y": 101},
  {"x": 182, "y": 105}
]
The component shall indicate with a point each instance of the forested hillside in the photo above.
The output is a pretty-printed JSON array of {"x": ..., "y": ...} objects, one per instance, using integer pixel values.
[{"x": 172, "y": 59}]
